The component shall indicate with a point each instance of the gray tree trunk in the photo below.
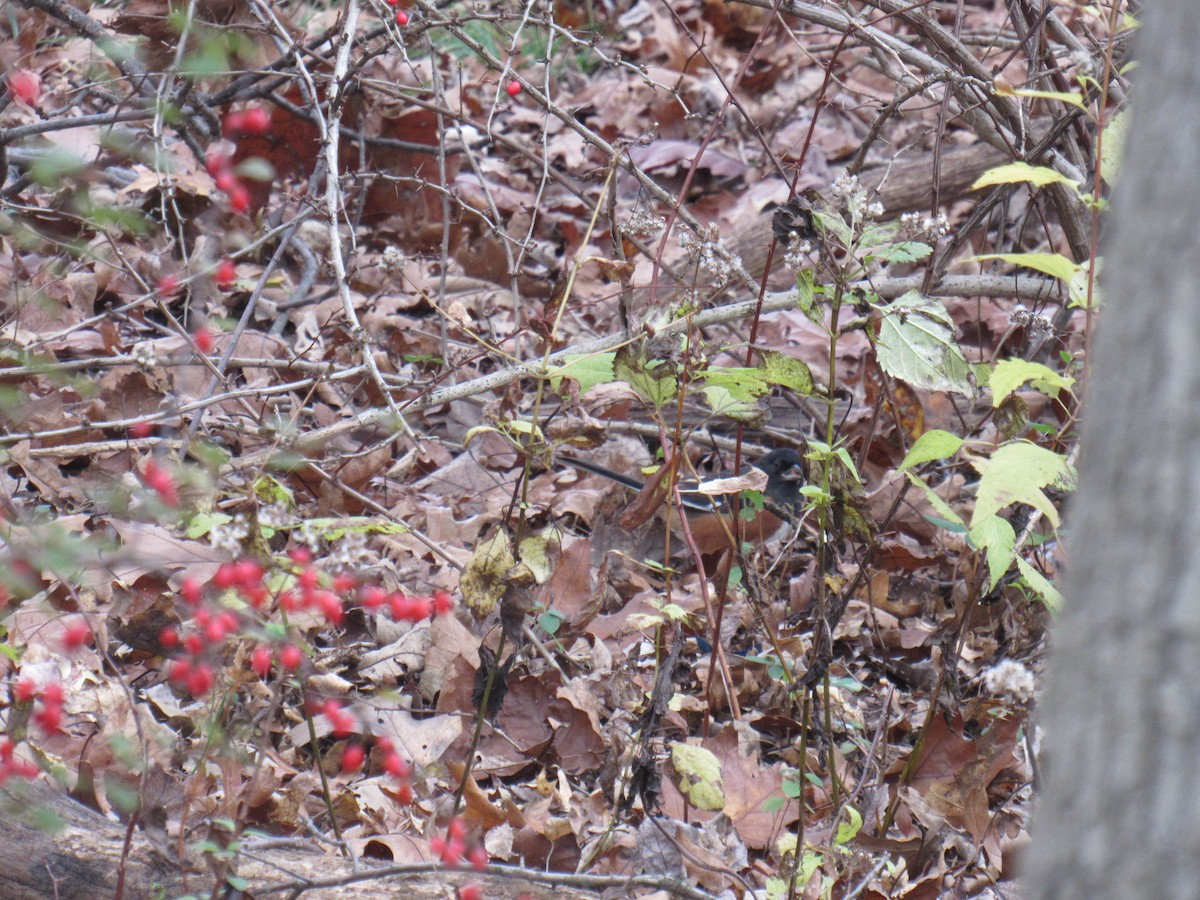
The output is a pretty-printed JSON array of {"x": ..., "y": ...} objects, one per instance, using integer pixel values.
[{"x": 1120, "y": 813}]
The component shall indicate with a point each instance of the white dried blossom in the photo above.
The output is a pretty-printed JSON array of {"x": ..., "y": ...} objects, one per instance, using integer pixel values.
[
  {"x": 144, "y": 356},
  {"x": 273, "y": 515},
  {"x": 644, "y": 222},
  {"x": 351, "y": 550},
  {"x": 392, "y": 260},
  {"x": 874, "y": 210},
  {"x": 228, "y": 537},
  {"x": 706, "y": 253},
  {"x": 1009, "y": 679},
  {"x": 845, "y": 185},
  {"x": 796, "y": 255},
  {"x": 1031, "y": 321}
]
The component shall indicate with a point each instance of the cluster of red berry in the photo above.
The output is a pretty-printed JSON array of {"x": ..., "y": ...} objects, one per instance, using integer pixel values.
[
  {"x": 161, "y": 481},
  {"x": 254, "y": 120}
]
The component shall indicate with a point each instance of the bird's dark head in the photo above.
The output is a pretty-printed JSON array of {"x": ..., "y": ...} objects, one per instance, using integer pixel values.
[{"x": 785, "y": 474}]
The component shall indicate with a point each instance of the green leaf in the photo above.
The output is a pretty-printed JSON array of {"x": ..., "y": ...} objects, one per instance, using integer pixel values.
[
  {"x": 699, "y": 773},
  {"x": 1112, "y": 150},
  {"x": 935, "y": 444},
  {"x": 1054, "y": 264},
  {"x": 1010, "y": 374},
  {"x": 849, "y": 827},
  {"x": 996, "y": 538},
  {"x": 1041, "y": 585},
  {"x": 589, "y": 369},
  {"x": 878, "y": 235},
  {"x": 49, "y": 170},
  {"x": 1068, "y": 97},
  {"x": 916, "y": 344},
  {"x": 743, "y": 384},
  {"x": 904, "y": 252},
  {"x": 834, "y": 224},
  {"x": 655, "y": 381},
  {"x": 808, "y": 291},
  {"x": 1017, "y": 472},
  {"x": 1021, "y": 172},
  {"x": 256, "y": 169},
  {"x": 940, "y": 506},
  {"x": 787, "y": 371}
]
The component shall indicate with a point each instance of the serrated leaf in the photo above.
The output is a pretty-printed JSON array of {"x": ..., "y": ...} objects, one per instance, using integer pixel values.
[
  {"x": 935, "y": 444},
  {"x": 916, "y": 344},
  {"x": 1017, "y": 472},
  {"x": 1010, "y": 374},
  {"x": 745, "y": 384},
  {"x": 878, "y": 235},
  {"x": 808, "y": 291},
  {"x": 724, "y": 403},
  {"x": 996, "y": 538},
  {"x": 699, "y": 773},
  {"x": 1021, "y": 173},
  {"x": 1053, "y": 264},
  {"x": 589, "y": 369},
  {"x": 787, "y": 371},
  {"x": 904, "y": 252},
  {"x": 654, "y": 381},
  {"x": 836, "y": 225}
]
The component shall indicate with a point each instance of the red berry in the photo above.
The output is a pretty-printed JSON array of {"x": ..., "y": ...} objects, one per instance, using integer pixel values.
[
  {"x": 217, "y": 163},
  {"x": 25, "y": 86},
  {"x": 301, "y": 556},
  {"x": 249, "y": 573},
  {"x": 372, "y": 597},
  {"x": 52, "y": 694},
  {"x": 167, "y": 285},
  {"x": 190, "y": 591},
  {"x": 25, "y": 691},
  {"x": 225, "y": 577},
  {"x": 456, "y": 829},
  {"x": 395, "y": 766},
  {"x": 404, "y": 794},
  {"x": 49, "y": 718},
  {"x": 226, "y": 180},
  {"x": 226, "y": 273},
  {"x": 204, "y": 340},
  {"x": 76, "y": 635},
  {"x": 401, "y": 18},
  {"x": 470, "y": 891},
  {"x": 179, "y": 671},
  {"x": 193, "y": 644},
  {"x": 256, "y": 120},
  {"x": 201, "y": 680},
  {"x": 290, "y": 657},
  {"x": 478, "y": 858},
  {"x": 514, "y": 88},
  {"x": 169, "y": 636},
  {"x": 260, "y": 661},
  {"x": 352, "y": 757},
  {"x": 141, "y": 430},
  {"x": 239, "y": 198},
  {"x": 443, "y": 603}
]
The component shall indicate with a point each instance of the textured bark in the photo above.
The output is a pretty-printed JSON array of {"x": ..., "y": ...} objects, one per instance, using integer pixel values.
[{"x": 1120, "y": 812}]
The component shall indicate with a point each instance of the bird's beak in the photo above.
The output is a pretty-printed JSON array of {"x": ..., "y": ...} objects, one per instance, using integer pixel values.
[{"x": 794, "y": 472}]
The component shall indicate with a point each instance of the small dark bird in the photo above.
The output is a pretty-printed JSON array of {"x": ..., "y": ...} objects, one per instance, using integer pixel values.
[{"x": 710, "y": 520}]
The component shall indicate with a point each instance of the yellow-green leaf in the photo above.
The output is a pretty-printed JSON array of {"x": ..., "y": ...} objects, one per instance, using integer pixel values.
[
  {"x": 699, "y": 773},
  {"x": 1053, "y": 264},
  {"x": 1021, "y": 173}
]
